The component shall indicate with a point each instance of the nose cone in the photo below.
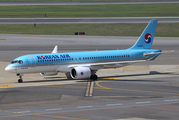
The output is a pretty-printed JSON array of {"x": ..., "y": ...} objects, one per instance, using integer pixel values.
[{"x": 10, "y": 68}]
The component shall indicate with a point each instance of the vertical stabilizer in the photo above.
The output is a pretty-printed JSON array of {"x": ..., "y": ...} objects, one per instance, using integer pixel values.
[{"x": 146, "y": 38}]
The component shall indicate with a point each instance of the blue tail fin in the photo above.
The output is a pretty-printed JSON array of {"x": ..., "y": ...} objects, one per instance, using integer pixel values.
[{"x": 146, "y": 38}]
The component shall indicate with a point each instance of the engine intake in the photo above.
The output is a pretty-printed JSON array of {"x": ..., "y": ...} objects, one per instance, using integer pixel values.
[{"x": 80, "y": 72}]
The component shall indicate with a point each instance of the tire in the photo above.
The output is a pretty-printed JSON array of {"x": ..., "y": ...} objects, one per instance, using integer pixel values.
[
  {"x": 94, "y": 77},
  {"x": 20, "y": 81}
]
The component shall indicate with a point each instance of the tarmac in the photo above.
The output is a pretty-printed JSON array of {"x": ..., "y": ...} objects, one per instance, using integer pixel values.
[
  {"x": 87, "y": 20},
  {"x": 143, "y": 91}
]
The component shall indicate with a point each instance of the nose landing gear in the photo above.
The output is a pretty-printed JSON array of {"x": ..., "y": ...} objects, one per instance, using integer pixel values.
[{"x": 20, "y": 80}]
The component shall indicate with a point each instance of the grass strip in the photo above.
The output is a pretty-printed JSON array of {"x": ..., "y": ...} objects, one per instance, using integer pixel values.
[
  {"x": 111, "y": 29},
  {"x": 106, "y": 10}
]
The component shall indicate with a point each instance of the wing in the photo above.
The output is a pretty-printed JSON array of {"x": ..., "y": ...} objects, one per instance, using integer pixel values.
[{"x": 119, "y": 63}]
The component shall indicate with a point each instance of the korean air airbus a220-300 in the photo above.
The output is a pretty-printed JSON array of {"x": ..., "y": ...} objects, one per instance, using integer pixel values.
[{"x": 83, "y": 65}]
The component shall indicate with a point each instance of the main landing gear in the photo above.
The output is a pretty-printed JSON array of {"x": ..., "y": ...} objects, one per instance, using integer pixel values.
[
  {"x": 93, "y": 77},
  {"x": 20, "y": 80}
]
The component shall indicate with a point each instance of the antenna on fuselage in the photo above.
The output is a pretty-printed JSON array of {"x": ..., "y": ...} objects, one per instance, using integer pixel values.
[{"x": 55, "y": 50}]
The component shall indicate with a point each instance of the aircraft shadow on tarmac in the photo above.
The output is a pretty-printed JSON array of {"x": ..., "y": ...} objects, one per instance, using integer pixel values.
[
  {"x": 55, "y": 79},
  {"x": 51, "y": 80},
  {"x": 132, "y": 75}
]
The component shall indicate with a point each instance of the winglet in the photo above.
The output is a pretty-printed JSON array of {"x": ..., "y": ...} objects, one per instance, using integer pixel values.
[{"x": 55, "y": 49}]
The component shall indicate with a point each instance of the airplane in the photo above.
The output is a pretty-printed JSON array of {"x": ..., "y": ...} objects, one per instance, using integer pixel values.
[{"x": 84, "y": 65}]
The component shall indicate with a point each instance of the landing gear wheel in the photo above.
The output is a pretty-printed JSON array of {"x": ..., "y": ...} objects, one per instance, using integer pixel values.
[
  {"x": 20, "y": 78},
  {"x": 20, "y": 81},
  {"x": 94, "y": 77}
]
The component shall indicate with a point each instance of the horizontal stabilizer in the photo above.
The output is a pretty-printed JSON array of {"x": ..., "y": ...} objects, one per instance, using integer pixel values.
[
  {"x": 152, "y": 53},
  {"x": 153, "y": 56}
]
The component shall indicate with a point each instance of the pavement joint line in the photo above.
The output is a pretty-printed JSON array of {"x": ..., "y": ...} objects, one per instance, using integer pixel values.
[
  {"x": 113, "y": 104},
  {"x": 97, "y": 83},
  {"x": 171, "y": 100},
  {"x": 143, "y": 102},
  {"x": 117, "y": 106},
  {"x": 7, "y": 79},
  {"x": 54, "y": 116},
  {"x": 54, "y": 109},
  {"x": 24, "y": 111},
  {"x": 109, "y": 105},
  {"x": 84, "y": 106}
]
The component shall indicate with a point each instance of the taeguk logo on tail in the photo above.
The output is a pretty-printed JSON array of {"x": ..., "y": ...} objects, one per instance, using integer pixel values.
[{"x": 148, "y": 38}]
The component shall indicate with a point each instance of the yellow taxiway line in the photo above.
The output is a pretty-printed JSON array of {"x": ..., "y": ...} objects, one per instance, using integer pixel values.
[
  {"x": 97, "y": 83},
  {"x": 7, "y": 86}
]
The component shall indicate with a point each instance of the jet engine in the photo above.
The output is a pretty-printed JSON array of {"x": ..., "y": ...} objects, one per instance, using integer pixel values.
[
  {"x": 49, "y": 73},
  {"x": 80, "y": 72}
]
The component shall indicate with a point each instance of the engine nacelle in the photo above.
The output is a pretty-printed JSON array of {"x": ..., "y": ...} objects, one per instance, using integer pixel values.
[
  {"x": 49, "y": 73},
  {"x": 80, "y": 72}
]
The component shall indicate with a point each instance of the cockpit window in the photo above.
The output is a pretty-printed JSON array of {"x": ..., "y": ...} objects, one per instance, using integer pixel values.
[
  {"x": 20, "y": 61},
  {"x": 17, "y": 61}
]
